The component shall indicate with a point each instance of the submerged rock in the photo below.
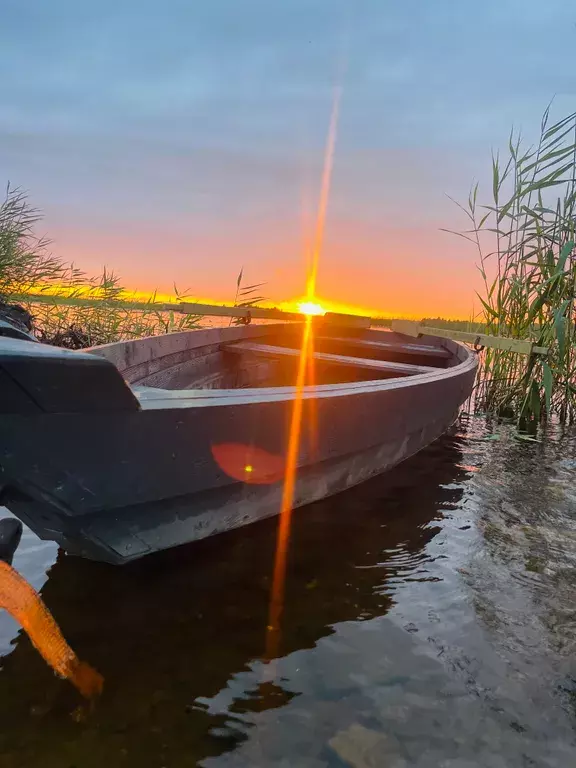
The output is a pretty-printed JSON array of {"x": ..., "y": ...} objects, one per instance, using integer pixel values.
[{"x": 362, "y": 747}]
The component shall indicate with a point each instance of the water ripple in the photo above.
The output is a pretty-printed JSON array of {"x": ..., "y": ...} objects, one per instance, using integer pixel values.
[{"x": 429, "y": 616}]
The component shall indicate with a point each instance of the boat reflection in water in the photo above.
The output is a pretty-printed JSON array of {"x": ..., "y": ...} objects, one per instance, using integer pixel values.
[{"x": 175, "y": 629}]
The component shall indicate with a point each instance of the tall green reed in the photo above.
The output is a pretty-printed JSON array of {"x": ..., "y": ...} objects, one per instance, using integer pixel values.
[
  {"x": 25, "y": 260},
  {"x": 524, "y": 240},
  {"x": 29, "y": 271}
]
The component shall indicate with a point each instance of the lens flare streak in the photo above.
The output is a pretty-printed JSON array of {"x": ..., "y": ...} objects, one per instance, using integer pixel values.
[
  {"x": 324, "y": 196},
  {"x": 305, "y": 368},
  {"x": 310, "y": 411},
  {"x": 278, "y": 580}
]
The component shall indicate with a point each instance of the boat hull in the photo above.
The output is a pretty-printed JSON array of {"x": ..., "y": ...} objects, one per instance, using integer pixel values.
[{"x": 121, "y": 484}]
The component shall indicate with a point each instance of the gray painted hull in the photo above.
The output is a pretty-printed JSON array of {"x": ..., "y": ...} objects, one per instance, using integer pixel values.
[{"x": 121, "y": 484}]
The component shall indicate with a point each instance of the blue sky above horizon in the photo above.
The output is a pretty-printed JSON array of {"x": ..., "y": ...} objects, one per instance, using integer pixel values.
[{"x": 177, "y": 142}]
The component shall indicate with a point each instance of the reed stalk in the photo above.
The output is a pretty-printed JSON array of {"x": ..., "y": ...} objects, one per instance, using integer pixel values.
[{"x": 524, "y": 240}]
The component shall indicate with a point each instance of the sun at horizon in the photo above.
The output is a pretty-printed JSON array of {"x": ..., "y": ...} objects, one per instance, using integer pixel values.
[{"x": 311, "y": 308}]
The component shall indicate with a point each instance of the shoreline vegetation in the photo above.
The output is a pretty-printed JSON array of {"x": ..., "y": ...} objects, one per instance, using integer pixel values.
[
  {"x": 63, "y": 305},
  {"x": 68, "y": 308},
  {"x": 524, "y": 239}
]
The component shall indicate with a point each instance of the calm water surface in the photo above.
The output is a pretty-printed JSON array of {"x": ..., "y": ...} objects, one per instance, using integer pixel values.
[{"x": 430, "y": 620}]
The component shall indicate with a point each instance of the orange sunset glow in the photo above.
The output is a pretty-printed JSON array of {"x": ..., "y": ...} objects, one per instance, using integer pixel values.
[{"x": 376, "y": 272}]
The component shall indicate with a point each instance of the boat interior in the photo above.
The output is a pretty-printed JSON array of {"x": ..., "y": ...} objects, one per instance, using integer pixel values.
[{"x": 268, "y": 355}]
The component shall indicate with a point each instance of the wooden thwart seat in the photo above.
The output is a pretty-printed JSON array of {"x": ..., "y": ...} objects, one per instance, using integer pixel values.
[
  {"x": 418, "y": 350},
  {"x": 384, "y": 366}
]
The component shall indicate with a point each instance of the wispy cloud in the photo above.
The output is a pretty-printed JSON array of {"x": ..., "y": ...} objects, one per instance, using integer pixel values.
[{"x": 209, "y": 119}]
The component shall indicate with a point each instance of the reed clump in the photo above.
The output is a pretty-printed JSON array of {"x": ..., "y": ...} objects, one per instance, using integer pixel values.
[
  {"x": 524, "y": 239},
  {"x": 99, "y": 311},
  {"x": 61, "y": 304},
  {"x": 25, "y": 259}
]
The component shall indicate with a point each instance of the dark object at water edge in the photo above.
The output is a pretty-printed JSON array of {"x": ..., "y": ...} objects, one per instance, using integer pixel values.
[
  {"x": 143, "y": 445},
  {"x": 15, "y": 322},
  {"x": 10, "y": 535},
  {"x": 72, "y": 337}
]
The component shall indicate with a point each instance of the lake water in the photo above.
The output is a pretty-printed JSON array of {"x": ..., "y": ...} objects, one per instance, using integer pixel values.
[{"x": 430, "y": 621}]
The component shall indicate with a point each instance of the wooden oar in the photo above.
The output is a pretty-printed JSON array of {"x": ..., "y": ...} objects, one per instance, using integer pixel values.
[
  {"x": 413, "y": 328},
  {"x": 406, "y": 327}
]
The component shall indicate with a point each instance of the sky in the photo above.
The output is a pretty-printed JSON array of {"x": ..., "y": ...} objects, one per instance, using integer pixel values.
[{"x": 177, "y": 142}]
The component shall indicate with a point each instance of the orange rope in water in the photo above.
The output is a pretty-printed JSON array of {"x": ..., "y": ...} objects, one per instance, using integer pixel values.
[{"x": 22, "y": 601}]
